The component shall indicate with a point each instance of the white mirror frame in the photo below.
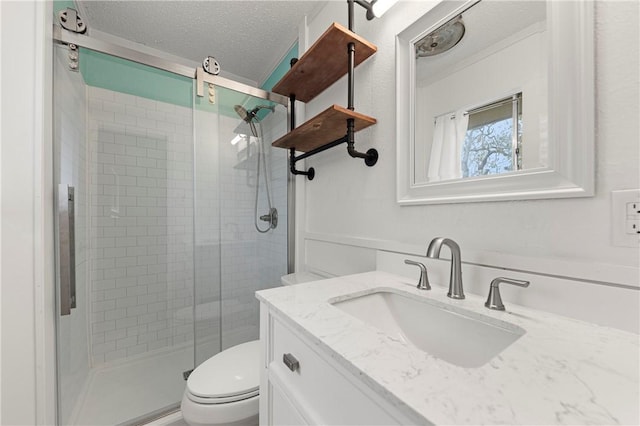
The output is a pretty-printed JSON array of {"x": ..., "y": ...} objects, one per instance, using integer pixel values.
[{"x": 570, "y": 172}]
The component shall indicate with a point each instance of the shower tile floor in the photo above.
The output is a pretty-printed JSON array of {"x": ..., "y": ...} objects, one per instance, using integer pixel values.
[
  {"x": 128, "y": 391},
  {"x": 118, "y": 394}
]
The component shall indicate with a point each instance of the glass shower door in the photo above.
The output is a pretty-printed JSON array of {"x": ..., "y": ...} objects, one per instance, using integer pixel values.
[
  {"x": 123, "y": 141},
  {"x": 237, "y": 253},
  {"x": 172, "y": 213},
  {"x": 71, "y": 175}
]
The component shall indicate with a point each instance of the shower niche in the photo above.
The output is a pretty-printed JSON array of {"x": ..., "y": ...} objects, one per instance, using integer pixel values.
[{"x": 314, "y": 72}]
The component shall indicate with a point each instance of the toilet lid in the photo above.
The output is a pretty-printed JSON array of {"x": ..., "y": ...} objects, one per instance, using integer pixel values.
[{"x": 232, "y": 372}]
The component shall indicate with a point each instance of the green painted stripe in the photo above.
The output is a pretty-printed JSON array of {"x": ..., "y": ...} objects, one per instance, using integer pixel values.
[
  {"x": 229, "y": 98},
  {"x": 121, "y": 75},
  {"x": 59, "y": 5},
  {"x": 281, "y": 69}
]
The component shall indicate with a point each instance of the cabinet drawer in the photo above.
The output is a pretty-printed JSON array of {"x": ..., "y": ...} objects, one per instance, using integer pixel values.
[
  {"x": 283, "y": 413},
  {"x": 320, "y": 390}
]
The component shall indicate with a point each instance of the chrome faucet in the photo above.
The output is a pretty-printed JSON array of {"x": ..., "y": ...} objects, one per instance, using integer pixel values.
[
  {"x": 455, "y": 279},
  {"x": 494, "y": 300},
  {"x": 423, "y": 282}
]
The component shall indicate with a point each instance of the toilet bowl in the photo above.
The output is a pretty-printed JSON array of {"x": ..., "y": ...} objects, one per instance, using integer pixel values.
[{"x": 223, "y": 390}]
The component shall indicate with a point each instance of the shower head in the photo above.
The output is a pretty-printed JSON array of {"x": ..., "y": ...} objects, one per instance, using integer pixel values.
[
  {"x": 242, "y": 112},
  {"x": 250, "y": 115},
  {"x": 442, "y": 39}
]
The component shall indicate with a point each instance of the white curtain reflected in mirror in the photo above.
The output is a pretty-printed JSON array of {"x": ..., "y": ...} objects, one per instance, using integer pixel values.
[{"x": 449, "y": 136}]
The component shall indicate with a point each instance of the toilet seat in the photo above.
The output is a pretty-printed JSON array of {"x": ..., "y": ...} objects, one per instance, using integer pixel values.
[
  {"x": 229, "y": 376},
  {"x": 221, "y": 400},
  {"x": 239, "y": 413}
]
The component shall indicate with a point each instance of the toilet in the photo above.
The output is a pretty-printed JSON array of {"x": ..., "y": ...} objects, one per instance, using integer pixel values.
[{"x": 224, "y": 390}]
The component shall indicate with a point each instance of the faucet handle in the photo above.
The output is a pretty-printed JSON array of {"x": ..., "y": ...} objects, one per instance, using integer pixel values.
[
  {"x": 494, "y": 301},
  {"x": 423, "y": 284}
]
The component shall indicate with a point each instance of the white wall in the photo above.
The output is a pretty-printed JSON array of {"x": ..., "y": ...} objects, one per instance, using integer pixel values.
[
  {"x": 352, "y": 205},
  {"x": 26, "y": 229}
]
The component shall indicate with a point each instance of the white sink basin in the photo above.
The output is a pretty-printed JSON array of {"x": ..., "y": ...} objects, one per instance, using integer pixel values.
[{"x": 455, "y": 335}]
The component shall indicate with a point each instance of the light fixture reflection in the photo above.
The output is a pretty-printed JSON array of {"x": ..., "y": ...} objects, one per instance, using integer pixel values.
[
  {"x": 375, "y": 8},
  {"x": 238, "y": 138},
  {"x": 380, "y": 7}
]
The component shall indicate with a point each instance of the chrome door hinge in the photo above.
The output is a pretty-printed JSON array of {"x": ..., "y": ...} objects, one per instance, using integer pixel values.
[
  {"x": 71, "y": 21},
  {"x": 74, "y": 57}
]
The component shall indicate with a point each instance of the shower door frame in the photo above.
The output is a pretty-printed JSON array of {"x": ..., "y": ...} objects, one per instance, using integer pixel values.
[{"x": 65, "y": 37}]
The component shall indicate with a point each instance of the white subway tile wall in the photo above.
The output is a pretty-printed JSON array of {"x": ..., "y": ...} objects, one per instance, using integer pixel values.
[
  {"x": 207, "y": 236},
  {"x": 143, "y": 228},
  {"x": 142, "y": 224},
  {"x": 241, "y": 241}
]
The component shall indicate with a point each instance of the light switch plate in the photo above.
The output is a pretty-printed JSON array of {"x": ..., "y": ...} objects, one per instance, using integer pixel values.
[{"x": 625, "y": 213}]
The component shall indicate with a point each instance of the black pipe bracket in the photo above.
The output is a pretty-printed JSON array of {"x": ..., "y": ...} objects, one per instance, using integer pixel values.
[{"x": 371, "y": 156}]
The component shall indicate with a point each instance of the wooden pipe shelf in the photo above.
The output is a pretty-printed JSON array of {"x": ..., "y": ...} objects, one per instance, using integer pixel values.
[
  {"x": 320, "y": 67},
  {"x": 325, "y": 127},
  {"x": 323, "y": 64}
]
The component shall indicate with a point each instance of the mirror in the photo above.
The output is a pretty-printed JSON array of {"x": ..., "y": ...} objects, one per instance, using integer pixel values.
[{"x": 495, "y": 102}]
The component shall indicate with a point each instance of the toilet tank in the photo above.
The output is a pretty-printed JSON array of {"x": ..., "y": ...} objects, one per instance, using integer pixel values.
[{"x": 301, "y": 277}]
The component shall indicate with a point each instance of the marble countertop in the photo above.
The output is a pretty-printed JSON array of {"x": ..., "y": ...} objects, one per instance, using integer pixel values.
[{"x": 561, "y": 371}]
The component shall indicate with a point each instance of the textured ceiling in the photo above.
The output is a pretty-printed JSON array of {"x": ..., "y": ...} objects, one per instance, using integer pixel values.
[{"x": 246, "y": 37}]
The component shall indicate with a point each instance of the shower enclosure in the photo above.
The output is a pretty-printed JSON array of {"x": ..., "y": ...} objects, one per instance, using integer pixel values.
[{"x": 157, "y": 249}]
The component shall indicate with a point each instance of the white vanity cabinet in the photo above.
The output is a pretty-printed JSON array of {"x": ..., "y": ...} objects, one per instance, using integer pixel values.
[
  {"x": 318, "y": 390},
  {"x": 353, "y": 372}
]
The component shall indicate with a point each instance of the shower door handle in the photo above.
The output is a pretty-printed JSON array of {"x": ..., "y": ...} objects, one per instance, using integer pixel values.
[{"x": 67, "y": 248}]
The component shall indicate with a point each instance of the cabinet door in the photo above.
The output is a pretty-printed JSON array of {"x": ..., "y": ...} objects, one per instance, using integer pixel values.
[
  {"x": 283, "y": 413},
  {"x": 319, "y": 388}
]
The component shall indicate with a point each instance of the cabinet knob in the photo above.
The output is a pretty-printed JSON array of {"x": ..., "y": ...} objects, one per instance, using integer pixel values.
[{"x": 291, "y": 362}]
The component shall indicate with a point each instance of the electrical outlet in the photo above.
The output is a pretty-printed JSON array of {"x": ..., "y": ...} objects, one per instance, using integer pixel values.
[
  {"x": 632, "y": 226},
  {"x": 625, "y": 218},
  {"x": 633, "y": 209}
]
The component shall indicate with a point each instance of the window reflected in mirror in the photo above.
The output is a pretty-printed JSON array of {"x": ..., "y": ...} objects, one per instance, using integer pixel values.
[{"x": 493, "y": 140}]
